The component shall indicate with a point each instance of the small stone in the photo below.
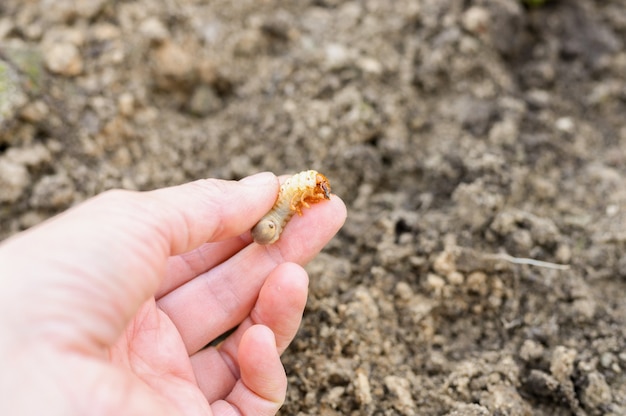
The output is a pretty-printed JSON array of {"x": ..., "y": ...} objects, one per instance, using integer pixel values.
[
  {"x": 66, "y": 10},
  {"x": 362, "y": 388},
  {"x": 337, "y": 56},
  {"x": 477, "y": 283},
  {"x": 505, "y": 400},
  {"x": 435, "y": 283},
  {"x": 505, "y": 132},
  {"x": 612, "y": 210},
  {"x": 35, "y": 111},
  {"x": 584, "y": 309},
  {"x": 204, "y": 101},
  {"x": 475, "y": 204},
  {"x": 456, "y": 278},
  {"x": 403, "y": 291},
  {"x": 565, "y": 124},
  {"x": 64, "y": 59},
  {"x": 6, "y": 26},
  {"x": 153, "y": 29},
  {"x": 34, "y": 155},
  {"x": 400, "y": 388},
  {"x": 126, "y": 104},
  {"x": 14, "y": 179},
  {"x": 370, "y": 66},
  {"x": 597, "y": 393},
  {"x": 250, "y": 42},
  {"x": 12, "y": 97},
  {"x": 469, "y": 409},
  {"x": 531, "y": 351},
  {"x": 105, "y": 32},
  {"x": 53, "y": 191},
  {"x": 334, "y": 396},
  {"x": 444, "y": 263},
  {"x": 63, "y": 35},
  {"x": 88, "y": 9},
  {"x": 607, "y": 359},
  {"x": 476, "y": 20},
  {"x": 475, "y": 114},
  {"x": 208, "y": 72},
  {"x": 31, "y": 218},
  {"x": 173, "y": 66},
  {"x": 562, "y": 363}
]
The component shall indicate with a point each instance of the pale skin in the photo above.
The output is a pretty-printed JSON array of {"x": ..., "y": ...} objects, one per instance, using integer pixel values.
[{"x": 105, "y": 309}]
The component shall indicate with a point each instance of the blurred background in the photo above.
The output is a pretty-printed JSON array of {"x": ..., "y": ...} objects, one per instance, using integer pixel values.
[{"x": 463, "y": 136}]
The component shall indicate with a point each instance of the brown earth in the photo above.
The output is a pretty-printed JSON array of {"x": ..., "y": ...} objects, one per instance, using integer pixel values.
[{"x": 456, "y": 132}]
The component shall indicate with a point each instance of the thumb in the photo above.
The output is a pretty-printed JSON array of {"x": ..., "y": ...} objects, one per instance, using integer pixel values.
[
  {"x": 90, "y": 269},
  {"x": 263, "y": 384}
]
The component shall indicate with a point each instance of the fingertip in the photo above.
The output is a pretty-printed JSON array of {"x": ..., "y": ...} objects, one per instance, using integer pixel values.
[
  {"x": 261, "y": 370},
  {"x": 262, "y": 388},
  {"x": 289, "y": 279}
]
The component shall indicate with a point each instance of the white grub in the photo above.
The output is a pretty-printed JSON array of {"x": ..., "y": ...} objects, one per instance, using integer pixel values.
[{"x": 297, "y": 192}]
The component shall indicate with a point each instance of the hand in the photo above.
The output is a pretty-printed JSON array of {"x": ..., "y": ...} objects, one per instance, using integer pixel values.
[{"x": 106, "y": 309}]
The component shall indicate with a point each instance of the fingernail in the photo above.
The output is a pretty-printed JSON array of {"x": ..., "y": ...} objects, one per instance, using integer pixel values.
[{"x": 259, "y": 179}]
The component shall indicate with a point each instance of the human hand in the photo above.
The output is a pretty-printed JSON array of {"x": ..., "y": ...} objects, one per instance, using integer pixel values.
[{"x": 106, "y": 308}]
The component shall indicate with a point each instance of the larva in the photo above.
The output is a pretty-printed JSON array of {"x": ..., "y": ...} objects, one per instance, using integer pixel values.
[{"x": 297, "y": 192}]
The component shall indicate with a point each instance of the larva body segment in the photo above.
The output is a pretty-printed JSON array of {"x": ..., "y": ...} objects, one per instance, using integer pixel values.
[{"x": 297, "y": 192}]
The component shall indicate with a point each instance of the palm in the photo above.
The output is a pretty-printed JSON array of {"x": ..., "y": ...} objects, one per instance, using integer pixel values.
[{"x": 153, "y": 350}]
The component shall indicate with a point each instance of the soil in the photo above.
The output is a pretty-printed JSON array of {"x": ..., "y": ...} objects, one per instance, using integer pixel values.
[{"x": 480, "y": 146}]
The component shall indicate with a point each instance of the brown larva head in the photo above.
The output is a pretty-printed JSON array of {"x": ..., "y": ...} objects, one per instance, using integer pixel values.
[
  {"x": 265, "y": 232},
  {"x": 322, "y": 185}
]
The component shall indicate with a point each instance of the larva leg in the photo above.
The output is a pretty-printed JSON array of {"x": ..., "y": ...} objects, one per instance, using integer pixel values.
[{"x": 297, "y": 202}]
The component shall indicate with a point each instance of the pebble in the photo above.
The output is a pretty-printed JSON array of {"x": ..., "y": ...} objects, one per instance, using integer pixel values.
[
  {"x": 565, "y": 124},
  {"x": 153, "y": 29},
  {"x": 477, "y": 283},
  {"x": 444, "y": 263},
  {"x": 35, "y": 155},
  {"x": 88, "y": 8},
  {"x": 66, "y": 10},
  {"x": 173, "y": 65},
  {"x": 35, "y": 111},
  {"x": 435, "y": 283},
  {"x": 531, "y": 350},
  {"x": 476, "y": 20},
  {"x": 401, "y": 388},
  {"x": 337, "y": 56},
  {"x": 6, "y": 26},
  {"x": 12, "y": 97},
  {"x": 204, "y": 101},
  {"x": 64, "y": 59},
  {"x": 126, "y": 104},
  {"x": 597, "y": 392},
  {"x": 14, "y": 179},
  {"x": 362, "y": 388},
  {"x": 370, "y": 65},
  {"x": 562, "y": 363},
  {"x": 469, "y": 409},
  {"x": 53, "y": 191}
]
